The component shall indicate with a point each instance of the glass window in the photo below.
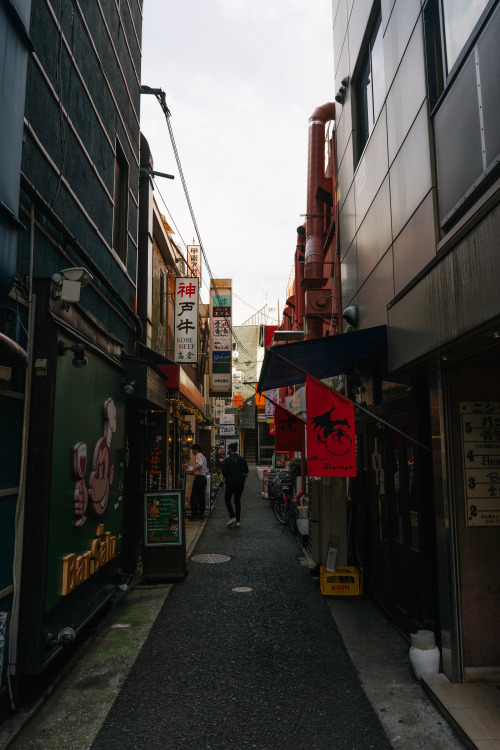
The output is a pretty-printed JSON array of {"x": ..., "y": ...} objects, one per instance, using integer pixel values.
[
  {"x": 460, "y": 18},
  {"x": 370, "y": 86},
  {"x": 120, "y": 213}
]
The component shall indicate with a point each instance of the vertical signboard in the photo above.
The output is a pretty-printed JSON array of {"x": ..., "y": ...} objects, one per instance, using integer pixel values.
[
  {"x": 480, "y": 422},
  {"x": 272, "y": 397},
  {"x": 220, "y": 339},
  {"x": 194, "y": 261},
  {"x": 186, "y": 320}
]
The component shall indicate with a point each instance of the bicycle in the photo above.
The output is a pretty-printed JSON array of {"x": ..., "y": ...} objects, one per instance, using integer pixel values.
[{"x": 284, "y": 507}]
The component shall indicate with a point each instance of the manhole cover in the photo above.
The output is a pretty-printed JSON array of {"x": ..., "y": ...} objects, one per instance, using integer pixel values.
[
  {"x": 242, "y": 589},
  {"x": 211, "y": 558}
]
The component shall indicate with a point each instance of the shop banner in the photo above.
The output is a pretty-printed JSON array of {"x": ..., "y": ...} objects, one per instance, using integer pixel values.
[
  {"x": 288, "y": 430},
  {"x": 186, "y": 320},
  {"x": 220, "y": 358},
  {"x": 331, "y": 445},
  {"x": 272, "y": 398},
  {"x": 194, "y": 261}
]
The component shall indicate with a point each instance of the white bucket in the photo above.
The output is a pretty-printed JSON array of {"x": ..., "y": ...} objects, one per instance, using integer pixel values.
[{"x": 424, "y": 654}]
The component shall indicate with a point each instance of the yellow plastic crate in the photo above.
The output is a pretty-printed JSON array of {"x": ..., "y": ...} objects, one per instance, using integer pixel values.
[{"x": 346, "y": 581}]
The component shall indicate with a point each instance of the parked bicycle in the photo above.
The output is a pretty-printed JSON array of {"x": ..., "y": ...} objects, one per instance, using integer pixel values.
[{"x": 284, "y": 507}]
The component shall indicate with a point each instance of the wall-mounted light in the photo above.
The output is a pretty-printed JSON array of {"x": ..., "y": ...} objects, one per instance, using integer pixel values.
[
  {"x": 128, "y": 387},
  {"x": 79, "y": 358},
  {"x": 350, "y": 315},
  {"x": 342, "y": 92},
  {"x": 69, "y": 282},
  {"x": 65, "y": 638}
]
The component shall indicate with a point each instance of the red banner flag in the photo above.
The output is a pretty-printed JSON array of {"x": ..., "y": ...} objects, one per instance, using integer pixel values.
[
  {"x": 331, "y": 445},
  {"x": 288, "y": 431}
]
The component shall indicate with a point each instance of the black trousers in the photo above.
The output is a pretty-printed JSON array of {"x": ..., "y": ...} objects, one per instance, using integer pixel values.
[
  {"x": 198, "y": 496},
  {"x": 236, "y": 490}
]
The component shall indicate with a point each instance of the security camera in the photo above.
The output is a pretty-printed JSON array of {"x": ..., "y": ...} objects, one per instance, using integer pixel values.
[{"x": 350, "y": 315}]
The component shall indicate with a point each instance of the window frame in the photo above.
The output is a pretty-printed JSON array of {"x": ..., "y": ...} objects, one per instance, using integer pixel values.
[
  {"x": 120, "y": 204},
  {"x": 362, "y": 102},
  {"x": 439, "y": 78}
]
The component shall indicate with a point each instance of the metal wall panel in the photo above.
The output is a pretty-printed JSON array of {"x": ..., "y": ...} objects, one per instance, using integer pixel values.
[
  {"x": 458, "y": 140},
  {"x": 358, "y": 22},
  {"x": 448, "y": 302},
  {"x": 399, "y": 30},
  {"x": 349, "y": 270},
  {"x": 489, "y": 60},
  {"x": 345, "y": 173},
  {"x": 372, "y": 168},
  {"x": 410, "y": 174},
  {"x": 376, "y": 293},
  {"x": 416, "y": 244},
  {"x": 374, "y": 235},
  {"x": 408, "y": 91},
  {"x": 347, "y": 222},
  {"x": 340, "y": 46}
]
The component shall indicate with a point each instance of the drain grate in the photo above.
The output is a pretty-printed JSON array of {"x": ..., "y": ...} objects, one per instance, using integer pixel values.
[{"x": 211, "y": 558}]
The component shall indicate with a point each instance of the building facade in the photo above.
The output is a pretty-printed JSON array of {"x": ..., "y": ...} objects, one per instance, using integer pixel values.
[
  {"x": 417, "y": 161},
  {"x": 71, "y": 307}
]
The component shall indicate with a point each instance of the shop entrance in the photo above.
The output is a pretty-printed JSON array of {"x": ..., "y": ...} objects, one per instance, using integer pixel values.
[{"x": 398, "y": 492}]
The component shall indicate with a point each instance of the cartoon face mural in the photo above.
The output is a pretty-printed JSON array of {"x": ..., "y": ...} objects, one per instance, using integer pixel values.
[
  {"x": 103, "y": 468},
  {"x": 81, "y": 495}
]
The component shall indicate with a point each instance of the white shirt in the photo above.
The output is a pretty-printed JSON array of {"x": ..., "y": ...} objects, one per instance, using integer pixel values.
[{"x": 201, "y": 465}]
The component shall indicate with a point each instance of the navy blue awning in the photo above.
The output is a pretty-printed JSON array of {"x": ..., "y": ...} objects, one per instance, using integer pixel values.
[{"x": 321, "y": 358}]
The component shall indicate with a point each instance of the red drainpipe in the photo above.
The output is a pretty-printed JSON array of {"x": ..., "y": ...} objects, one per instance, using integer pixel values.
[
  {"x": 313, "y": 267},
  {"x": 299, "y": 275}
]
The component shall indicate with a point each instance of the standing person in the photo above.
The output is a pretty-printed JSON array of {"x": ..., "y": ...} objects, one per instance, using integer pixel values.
[
  {"x": 200, "y": 472},
  {"x": 234, "y": 471}
]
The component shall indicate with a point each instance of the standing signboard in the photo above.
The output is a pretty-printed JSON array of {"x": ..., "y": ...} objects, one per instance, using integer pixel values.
[
  {"x": 186, "y": 304},
  {"x": 164, "y": 549}
]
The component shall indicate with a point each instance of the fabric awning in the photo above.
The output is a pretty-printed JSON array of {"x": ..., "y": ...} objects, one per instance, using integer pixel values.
[{"x": 321, "y": 358}]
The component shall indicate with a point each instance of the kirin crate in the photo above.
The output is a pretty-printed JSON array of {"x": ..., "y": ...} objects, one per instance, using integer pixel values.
[{"x": 346, "y": 581}]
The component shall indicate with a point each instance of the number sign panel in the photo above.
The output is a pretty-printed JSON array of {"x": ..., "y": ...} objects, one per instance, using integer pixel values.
[{"x": 480, "y": 422}]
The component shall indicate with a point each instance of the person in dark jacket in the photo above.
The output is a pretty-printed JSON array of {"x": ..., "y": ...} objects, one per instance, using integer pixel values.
[{"x": 234, "y": 471}]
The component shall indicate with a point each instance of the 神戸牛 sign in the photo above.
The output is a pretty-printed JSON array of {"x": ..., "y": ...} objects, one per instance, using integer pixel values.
[
  {"x": 163, "y": 518},
  {"x": 186, "y": 320}
]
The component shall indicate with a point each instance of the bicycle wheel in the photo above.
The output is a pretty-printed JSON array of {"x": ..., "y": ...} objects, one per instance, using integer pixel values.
[
  {"x": 292, "y": 515},
  {"x": 280, "y": 510}
]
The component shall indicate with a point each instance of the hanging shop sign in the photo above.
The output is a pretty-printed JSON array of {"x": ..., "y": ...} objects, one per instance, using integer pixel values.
[
  {"x": 288, "y": 430},
  {"x": 220, "y": 408},
  {"x": 239, "y": 400},
  {"x": 480, "y": 423},
  {"x": 186, "y": 320},
  {"x": 331, "y": 445},
  {"x": 228, "y": 419},
  {"x": 226, "y": 430},
  {"x": 163, "y": 519},
  {"x": 272, "y": 398},
  {"x": 194, "y": 261},
  {"x": 221, "y": 338}
]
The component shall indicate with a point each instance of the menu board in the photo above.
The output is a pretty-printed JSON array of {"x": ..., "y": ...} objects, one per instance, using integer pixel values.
[
  {"x": 480, "y": 422},
  {"x": 163, "y": 518}
]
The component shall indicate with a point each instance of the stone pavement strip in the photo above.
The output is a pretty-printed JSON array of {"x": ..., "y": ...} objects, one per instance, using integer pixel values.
[{"x": 242, "y": 654}]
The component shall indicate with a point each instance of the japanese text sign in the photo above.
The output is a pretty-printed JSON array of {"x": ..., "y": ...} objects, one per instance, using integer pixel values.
[{"x": 186, "y": 320}]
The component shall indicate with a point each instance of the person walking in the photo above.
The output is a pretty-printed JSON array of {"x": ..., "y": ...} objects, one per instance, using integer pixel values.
[
  {"x": 200, "y": 472},
  {"x": 234, "y": 471}
]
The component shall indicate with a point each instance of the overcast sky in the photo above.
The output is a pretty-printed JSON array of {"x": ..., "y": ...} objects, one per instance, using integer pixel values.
[{"x": 242, "y": 78}]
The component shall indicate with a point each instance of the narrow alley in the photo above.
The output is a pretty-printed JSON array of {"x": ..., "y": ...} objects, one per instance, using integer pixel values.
[{"x": 243, "y": 654}]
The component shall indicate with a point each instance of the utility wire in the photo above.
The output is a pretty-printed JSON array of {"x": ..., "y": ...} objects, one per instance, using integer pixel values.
[{"x": 160, "y": 96}]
